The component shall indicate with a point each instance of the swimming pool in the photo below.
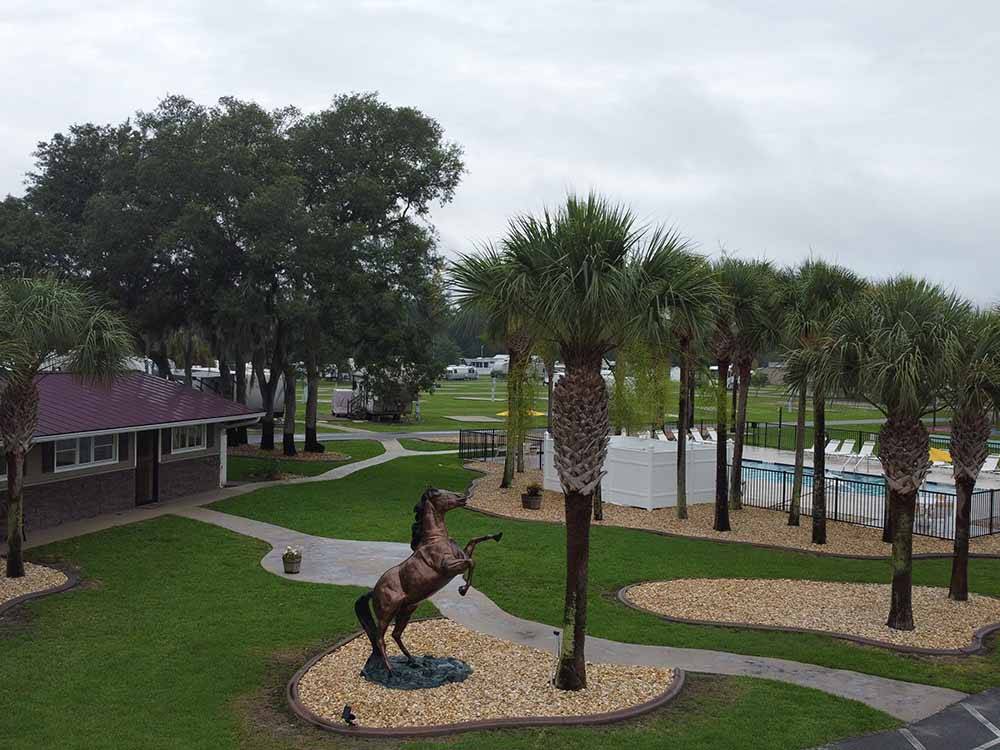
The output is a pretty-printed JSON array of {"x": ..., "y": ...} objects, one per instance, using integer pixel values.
[{"x": 877, "y": 483}]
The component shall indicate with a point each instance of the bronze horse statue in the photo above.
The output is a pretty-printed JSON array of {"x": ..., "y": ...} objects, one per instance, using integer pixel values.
[{"x": 436, "y": 559}]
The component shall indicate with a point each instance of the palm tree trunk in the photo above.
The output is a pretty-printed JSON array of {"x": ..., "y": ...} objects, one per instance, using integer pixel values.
[
  {"x": 508, "y": 456},
  {"x": 958, "y": 589},
  {"x": 288, "y": 428},
  {"x": 312, "y": 406},
  {"x": 901, "y": 608},
  {"x": 15, "y": 512},
  {"x": 580, "y": 435},
  {"x": 682, "y": 428},
  {"x": 742, "y": 387},
  {"x": 572, "y": 671},
  {"x": 903, "y": 453},
  {"x": 795, "y": 509},
  {"x": 819, "y": 468},
  {"x": 721, "y": 449},
  {"x": 970, "y": 436}
]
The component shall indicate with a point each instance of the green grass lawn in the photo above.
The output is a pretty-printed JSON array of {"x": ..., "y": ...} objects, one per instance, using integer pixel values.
[
  {"x": 524, "y": 574},
  {"x": 416, "y": 444},
  {"x": 248, "y": 469},
  {"x": 178, "y": 639}
]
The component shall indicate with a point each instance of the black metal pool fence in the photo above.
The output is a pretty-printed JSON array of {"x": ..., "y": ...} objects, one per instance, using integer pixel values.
[
  {"x": 864, "y": 502},
  {"x": 781, "y": 435},
  {"x": 849, "y": 499},
  {"x": 491, "y": 444}
]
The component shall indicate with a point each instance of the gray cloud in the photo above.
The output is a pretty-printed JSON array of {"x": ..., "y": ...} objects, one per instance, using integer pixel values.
[{"x": 864, "y": 133}]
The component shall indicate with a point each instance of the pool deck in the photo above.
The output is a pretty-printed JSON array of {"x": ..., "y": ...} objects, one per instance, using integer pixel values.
[{"x": 870, "y": 466}]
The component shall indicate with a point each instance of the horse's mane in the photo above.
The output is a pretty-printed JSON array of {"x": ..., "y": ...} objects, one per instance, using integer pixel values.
[{"x": 417, "y": 529}]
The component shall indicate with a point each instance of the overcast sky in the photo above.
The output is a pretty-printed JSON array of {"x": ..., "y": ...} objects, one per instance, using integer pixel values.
[{"x": 866, "y": 134}]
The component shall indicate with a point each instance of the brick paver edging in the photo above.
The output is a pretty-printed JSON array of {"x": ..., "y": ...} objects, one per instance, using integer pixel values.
[
  {"x": 292, "y": 693},
  {"x": 978, "y": 638},
  {"x": 72, "y": 580},
  {"x": 758, "y": 545}
]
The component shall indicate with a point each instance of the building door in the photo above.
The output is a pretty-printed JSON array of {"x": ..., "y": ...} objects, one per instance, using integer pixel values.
[{"x": 147, "y": 467}]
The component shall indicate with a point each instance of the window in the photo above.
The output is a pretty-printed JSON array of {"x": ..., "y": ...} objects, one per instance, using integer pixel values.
[
  {"x": 86, "y": 451},
  {"x": 191, "y": 438}
]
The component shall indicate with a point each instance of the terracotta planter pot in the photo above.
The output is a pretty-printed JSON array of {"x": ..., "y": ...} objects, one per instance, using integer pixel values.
[
  {"x": 292, "y": 566},
  {"x": 531, "y": 502}
]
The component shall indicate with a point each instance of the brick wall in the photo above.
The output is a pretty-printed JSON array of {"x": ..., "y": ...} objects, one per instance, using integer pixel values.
[
  {"x": 188, "y": 477},
  {"x": 53, "y": 503}
]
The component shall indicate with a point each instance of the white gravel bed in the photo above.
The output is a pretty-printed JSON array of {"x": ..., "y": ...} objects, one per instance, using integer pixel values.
[
  {"x": 508, "y": 680},
  {"x": 857, "y": 609},
  {"x": 752, "y": 525},
  {"x": 36, "y": 578}
]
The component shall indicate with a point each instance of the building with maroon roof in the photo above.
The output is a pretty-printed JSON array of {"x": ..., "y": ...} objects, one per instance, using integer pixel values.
[{"x": 103, "y": 447}]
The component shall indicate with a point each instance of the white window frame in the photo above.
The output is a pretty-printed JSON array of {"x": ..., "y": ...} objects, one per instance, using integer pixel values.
[
  {"x": 203, "y": 437},
  {"x": 76, "y": 464}
]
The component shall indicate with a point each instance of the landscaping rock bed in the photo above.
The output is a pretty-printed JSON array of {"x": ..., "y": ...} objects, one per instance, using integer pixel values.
[
  {"x": 507, "y": 681},
  {"x": 252, "y": 451},
  {"x": 37, "y": 578},
  {"x": 750, "y": 525},
  {"x": 855, "y": 610}
]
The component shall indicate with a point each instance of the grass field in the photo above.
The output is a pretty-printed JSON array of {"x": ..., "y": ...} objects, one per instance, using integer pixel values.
[
  {"x": 180, "y": 640},
  {"x": 477, "y": 398},
  {"x": 524, "y": 574}
]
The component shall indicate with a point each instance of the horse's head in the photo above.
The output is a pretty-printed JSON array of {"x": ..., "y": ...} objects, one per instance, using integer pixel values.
[{"x": 442, "y": 500}]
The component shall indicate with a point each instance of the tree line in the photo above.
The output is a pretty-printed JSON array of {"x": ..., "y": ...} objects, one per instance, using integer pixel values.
[{"x": 282, "y": 242}]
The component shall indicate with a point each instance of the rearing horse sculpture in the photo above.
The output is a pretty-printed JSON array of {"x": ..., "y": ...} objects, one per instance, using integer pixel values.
[{"x": 436, "y": 559}]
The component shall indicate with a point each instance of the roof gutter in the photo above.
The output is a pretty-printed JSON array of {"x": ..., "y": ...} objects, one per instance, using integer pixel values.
[{"x": 242, "y": 420}]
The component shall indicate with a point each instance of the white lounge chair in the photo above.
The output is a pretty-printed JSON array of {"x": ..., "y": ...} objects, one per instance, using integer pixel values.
[
  {"x": 831, "y": 447},
  {"x": 846, "y": 449},
  {"x": 713, "y": 436},
  {"x": 866, "y": 452},
  {"x": 990, "y": 464},
  {"x": 696, "y": 436}
]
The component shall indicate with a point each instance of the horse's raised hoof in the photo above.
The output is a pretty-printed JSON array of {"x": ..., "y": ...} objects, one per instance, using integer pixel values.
[{"x": 463, "y": 590}]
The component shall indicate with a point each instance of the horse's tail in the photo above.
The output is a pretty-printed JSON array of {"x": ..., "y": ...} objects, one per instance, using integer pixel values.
[{"x": 362, "y": 608}]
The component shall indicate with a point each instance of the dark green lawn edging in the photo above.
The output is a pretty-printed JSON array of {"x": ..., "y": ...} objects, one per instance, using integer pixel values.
[
  {"x": 524, "y": 575},
  {"x": 253, "y": 469}
]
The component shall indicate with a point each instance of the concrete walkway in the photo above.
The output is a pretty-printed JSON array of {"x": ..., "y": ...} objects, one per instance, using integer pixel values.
[{"x": 345, "y": 562}]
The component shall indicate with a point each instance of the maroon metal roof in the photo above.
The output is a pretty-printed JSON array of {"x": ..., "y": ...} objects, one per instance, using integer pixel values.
[{"x": 69, "y": 405}]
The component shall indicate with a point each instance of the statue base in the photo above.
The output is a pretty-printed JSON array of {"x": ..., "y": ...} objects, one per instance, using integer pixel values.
[{"x": 419, "y": 674}]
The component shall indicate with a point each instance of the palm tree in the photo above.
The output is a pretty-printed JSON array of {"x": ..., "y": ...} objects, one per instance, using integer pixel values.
[
  {"x": 44, "y": 318},
  {"x": 972, "y": 390},
  {"x": 750, "y": 287},
  {"x": 813, "y": 296},
  {"x": 896, "y": 348},
  {"x": 480, "y": 284},
  {"x": 583, "y": 273}
]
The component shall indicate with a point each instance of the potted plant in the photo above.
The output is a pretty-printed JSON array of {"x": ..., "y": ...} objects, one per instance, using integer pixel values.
[
  {"x": 532, "y": 499},
  {"x": 292, "y": 559}
]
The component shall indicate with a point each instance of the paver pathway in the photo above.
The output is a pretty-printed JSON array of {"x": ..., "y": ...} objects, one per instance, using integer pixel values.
[{"x": 346, "y": 562}]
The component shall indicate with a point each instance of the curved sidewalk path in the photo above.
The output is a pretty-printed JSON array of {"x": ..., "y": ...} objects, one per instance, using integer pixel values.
[{"x": 357, "y": 563}]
